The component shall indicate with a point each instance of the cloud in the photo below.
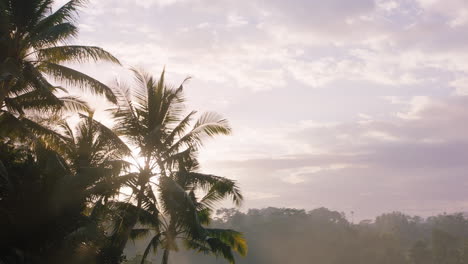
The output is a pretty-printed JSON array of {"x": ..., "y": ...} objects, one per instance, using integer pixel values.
[
  {"x": 263, "y": 44},
  {"x": 381, "y": 165},
  {"x": 352, "y": 104}
]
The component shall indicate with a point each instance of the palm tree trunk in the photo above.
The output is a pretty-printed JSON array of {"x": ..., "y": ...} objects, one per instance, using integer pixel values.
[
  {"x": 170, "y": 239},
  {"x": 165, "y": 259},
  {"x": 123, "y": 238}
]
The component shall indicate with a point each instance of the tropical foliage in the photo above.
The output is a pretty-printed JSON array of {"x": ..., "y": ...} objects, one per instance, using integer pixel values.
[
  {"x": 76, "y": 190},
  {"x": 151, "y": 116},
  {"x": 33, "y": 52}
]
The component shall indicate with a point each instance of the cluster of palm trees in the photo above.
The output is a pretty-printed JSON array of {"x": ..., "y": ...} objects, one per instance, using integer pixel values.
[{"x": 79, "y": 192}]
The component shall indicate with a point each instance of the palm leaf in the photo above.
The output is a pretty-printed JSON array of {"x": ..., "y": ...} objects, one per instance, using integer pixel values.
[
  {"x": 139, "y": 233},
  {"x": 153, "y": 244},
  {"x": 59, "y": 54},
  {"x": 209, "y": 124},
  {"x": 110, "y": 137},
  {"x": 235, "y": 240},
  {"x": 74, "y": 77},
  {"x": 217, "y": 187},
  {"x": 74, "y": 104},
  {"x": 54, "y": 34}
]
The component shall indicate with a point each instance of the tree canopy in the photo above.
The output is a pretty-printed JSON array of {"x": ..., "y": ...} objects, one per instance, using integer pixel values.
[{"x": 77, "y": 192}]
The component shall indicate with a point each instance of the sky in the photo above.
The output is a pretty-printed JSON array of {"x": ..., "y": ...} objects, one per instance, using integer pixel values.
[{"x": 352, "y": 105}]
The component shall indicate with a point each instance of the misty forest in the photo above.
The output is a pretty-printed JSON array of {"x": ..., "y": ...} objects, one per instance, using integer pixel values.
[{"x": 75, "y": 189}]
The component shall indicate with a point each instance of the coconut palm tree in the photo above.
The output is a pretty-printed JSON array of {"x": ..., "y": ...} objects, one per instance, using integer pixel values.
[
  {"x": 32, "y": 41},
  {"x": 91, "y": 144},
  {"x": 45, "y": 212},
  {"x": 185, "y": 216},
  {"x": 151, "y": 118},
  {"x": 33, "y": 50}
]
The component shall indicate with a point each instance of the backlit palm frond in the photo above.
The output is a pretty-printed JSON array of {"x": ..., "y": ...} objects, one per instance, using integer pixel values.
[
  {"x": 144, "y": 83},
  {"x": 234, "y": 239},
  {"x": 219, "y": 242},
  {"x": 74, "y": 104},
  {"x": 217, "y": 187},
  {"x": 54, "y": 34},
  {"x": 108, "y": 136},
  {"x": 212, "y": 124},
  {"x": 208, "y": 125},
  {"x": 127, "y": 121},
  {"x": 152, "y": 245},
  {"x": 34, "y": 100},
  {"x": 65, "y": 13},
  {"x": 211, "y": 246},
  {"x": 174, "y": 108},
  {"x": 179, "y": 130},
  {"x": 179, "y": 205},
  {"x": 47, "y": 29},
  {"x": 139, "y": 233},
  {"x": 108, "y": 186},
  {"x": 28, "y": 129},
  {"x": 34, "y": 80},
  {"x": 76, "y": 78},
  {"x": 59, "y": 54}
]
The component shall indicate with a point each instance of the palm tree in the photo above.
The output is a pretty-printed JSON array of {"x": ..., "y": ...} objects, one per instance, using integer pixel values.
[
  {"x": 92, "y": 144},
  {"x": 44, "y": 206},
  {"x": 32, "y": 47},
  {"x": 151, "y": 117},
  {"x": 184, "y": 215}
]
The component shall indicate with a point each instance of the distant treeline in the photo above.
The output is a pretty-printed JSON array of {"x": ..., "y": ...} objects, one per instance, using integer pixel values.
[{"x": 282, "y": 235}]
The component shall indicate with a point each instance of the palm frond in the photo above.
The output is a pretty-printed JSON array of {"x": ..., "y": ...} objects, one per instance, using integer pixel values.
[
  {"x": 59, "y": 54},
  {"x": 139, "y": 233},
  {"x": 65, "y": 13},
  {"x": 232, "y": 238},
  {"x": 212, "y": 124},
  {"x": 76, "y": 78},
  {"x": 25, "y": 128},
  {"x": 217, "y": 187},
  {"x": 54, "y": 34},
  {"x": 56, "y": 27},
  {"x": 220, "y": 242},
  {"x": 34, "y": 100},
  {"x": 208, "y": 125},
  {"x": 181, "y": 127},
  {"x": 175, "y": 201},
  {"x": 153, "y": 244},
  {"x": 74, "y": 104},
  {"x": 109, "y": 137},
  {"x": 125, "y": 115}
]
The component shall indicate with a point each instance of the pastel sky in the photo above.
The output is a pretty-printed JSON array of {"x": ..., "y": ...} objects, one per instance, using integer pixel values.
[{"x": 353, "y": 105}]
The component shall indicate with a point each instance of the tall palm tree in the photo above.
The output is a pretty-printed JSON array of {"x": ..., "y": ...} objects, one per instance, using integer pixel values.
[
  {"x": 151, "y": 117},
  {"x": 33, "y": 50}
]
